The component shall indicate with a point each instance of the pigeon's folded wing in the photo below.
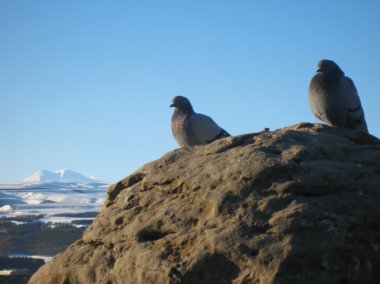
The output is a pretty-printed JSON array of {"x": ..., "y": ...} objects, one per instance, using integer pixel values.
[
  {"x": 353, "y": 107},
  {"x": 204, "y": 129}
]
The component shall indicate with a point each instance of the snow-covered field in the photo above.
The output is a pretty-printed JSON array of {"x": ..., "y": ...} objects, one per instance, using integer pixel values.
[{"x": 51, "y": 199}]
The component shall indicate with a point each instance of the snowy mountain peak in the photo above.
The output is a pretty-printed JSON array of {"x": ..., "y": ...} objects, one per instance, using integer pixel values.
[{"x": 64, "y": 175}]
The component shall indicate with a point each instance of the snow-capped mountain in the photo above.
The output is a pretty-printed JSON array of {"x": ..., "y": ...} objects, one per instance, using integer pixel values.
[{"x": 45, "y": 176}]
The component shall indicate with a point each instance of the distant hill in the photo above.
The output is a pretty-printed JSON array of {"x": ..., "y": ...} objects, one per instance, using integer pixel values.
[{"x": 64, "y": 175}]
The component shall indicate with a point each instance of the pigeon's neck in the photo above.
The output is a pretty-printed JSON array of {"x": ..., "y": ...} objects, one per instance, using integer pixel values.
[
  {"x": 183, "y": 112},
  {"x": 335, "y": 74},
  {"x": 330, "y": 79}
]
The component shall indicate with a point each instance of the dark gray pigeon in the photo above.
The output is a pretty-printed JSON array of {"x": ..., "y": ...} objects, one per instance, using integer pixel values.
[
  {"x": 334, "y": 99},
  {"x": 190, "y": 128}
]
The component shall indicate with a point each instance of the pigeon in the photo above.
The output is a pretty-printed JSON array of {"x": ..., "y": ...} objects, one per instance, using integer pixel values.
[
  {"x": 190, "y": 128},
  {"x": 334, "y": 99}
]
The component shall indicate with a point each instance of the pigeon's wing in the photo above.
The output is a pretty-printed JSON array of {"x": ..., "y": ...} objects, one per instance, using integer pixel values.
[
  {"x": 354, "y": 112},
  {"x": 204, "y": 129},
  {"x": 316, "y": 98}
]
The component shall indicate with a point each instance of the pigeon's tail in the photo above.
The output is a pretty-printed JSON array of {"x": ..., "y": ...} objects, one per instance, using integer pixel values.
[
  {"x": 360, "y": 124},
  {"x": 356, "y": 119},
  {"x": 221, "y": 134}
]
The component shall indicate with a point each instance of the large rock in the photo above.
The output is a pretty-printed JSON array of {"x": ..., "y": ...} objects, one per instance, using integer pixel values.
[{"x": 297, "y": 205}]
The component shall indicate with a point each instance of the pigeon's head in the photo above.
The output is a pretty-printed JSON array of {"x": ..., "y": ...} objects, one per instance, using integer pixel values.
[
  {"x": 182, "y": 103},
  {"x": 329, "y": 67}
]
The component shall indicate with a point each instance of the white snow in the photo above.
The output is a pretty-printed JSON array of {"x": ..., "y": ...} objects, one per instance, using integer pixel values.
[
  {"x": 50, "y": 199},
  {"x": 6, "y": 208},
  {"x": 65, "y": 220},
  {"x": 44, "y": 257},
  {"x": 31, "y": 197},
  {"x": 18, "y": 223},
  {"x": 64, "y": 175}
]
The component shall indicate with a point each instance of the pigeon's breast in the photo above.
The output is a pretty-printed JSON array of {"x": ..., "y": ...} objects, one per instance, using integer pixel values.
[
  {"x": 178, "y": 122},
  {"x": 179, "y": 127}
]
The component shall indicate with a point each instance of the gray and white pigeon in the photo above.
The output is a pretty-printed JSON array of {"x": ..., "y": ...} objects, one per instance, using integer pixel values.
[
  {"x": 190, "y": 128},
  {"x": 334, "y": 99}
]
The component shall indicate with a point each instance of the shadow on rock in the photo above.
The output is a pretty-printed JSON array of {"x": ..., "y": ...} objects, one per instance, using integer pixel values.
[{"x": 212, "y": 269}]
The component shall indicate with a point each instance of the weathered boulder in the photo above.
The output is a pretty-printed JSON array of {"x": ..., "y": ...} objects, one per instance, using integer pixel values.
[{"x": 296, "y": 205}]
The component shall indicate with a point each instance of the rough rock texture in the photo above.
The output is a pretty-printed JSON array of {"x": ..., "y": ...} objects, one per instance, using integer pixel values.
[{"x": 297, "y": 205}]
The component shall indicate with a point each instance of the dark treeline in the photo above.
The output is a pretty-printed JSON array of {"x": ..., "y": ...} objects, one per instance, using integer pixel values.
[
  {"x": 20, "y": 262},
  {"x": 36, "y": 237}
]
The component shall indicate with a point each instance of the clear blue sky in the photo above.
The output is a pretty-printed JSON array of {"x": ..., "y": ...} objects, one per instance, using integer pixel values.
[{"x": 87, "y": 85}]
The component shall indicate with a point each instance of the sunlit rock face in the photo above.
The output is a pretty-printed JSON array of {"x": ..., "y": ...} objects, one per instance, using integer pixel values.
[{"x": 296, "y": 205}]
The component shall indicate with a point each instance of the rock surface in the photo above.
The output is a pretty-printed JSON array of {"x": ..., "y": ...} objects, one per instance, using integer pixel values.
[{"x": 296, "y": 205}]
